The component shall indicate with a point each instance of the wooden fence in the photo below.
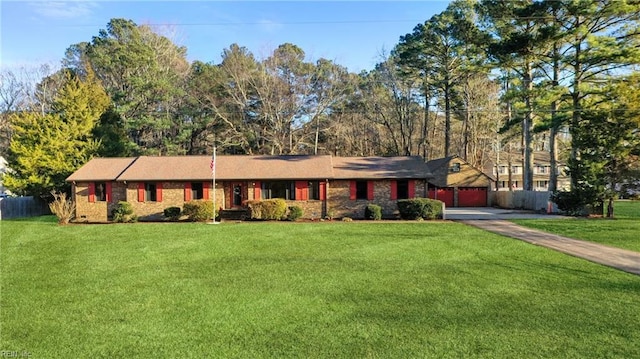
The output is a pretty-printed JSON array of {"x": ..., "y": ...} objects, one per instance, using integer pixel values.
[
  {"x": 19, "y": 207},
  {"x": 530, "y": 200}
]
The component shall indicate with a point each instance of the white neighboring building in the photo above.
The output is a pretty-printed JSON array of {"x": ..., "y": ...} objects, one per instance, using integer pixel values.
[{"x": 3, "y": 169}]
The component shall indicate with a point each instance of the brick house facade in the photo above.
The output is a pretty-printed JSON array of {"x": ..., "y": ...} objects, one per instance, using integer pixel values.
[{"x": 320, "y": 185}]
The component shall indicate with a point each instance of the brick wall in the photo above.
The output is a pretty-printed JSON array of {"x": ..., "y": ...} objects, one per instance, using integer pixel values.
[
  {"x": 172, "y": 196},
  {"x": 98, "y": 211},
  {"x": 338, "y": 203},
  {"x": 312, "y": 209},
  {"x": 341, "y": 206}
]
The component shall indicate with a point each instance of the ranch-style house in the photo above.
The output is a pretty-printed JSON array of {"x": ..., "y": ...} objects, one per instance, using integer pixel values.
[{"x": 320, "y": 185}]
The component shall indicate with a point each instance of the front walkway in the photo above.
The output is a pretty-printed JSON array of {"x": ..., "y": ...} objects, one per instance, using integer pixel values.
[{"x": 628, "y": 261}]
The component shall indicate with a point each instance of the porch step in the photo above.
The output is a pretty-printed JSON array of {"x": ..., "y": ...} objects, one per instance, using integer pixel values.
[{"x": 234, "y": 214}]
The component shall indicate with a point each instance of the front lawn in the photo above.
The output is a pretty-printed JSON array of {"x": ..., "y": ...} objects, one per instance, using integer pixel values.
[
  {"x": 623, "y": 231},
  {"x": 251, "y": 290}
]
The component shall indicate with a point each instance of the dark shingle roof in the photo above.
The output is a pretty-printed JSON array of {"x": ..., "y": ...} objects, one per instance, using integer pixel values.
[
  {"x": 380, "y": 167},
  {"x": 439, "y": 162}
]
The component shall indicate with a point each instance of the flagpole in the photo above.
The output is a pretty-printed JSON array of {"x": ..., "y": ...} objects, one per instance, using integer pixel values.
[{"x": 213, "y": 173}]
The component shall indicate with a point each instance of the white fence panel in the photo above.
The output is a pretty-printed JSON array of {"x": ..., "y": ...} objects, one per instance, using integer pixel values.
[{"x": 531, "y": 200}]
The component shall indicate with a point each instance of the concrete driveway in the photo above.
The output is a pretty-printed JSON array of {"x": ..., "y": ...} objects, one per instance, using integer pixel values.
[{"x": 490, "y": 213}]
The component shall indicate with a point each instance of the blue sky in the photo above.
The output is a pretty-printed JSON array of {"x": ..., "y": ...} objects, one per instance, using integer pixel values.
[{"x": 352, "y": 33}]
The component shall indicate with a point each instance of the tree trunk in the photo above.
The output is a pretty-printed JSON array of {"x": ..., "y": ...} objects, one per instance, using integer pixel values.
[
  {"x": 527, "y": 132},
  {"x": 447, "y": 119}
]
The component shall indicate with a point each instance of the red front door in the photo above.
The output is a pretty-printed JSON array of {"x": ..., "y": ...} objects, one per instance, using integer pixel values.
[{"x": 238, "y": 194}]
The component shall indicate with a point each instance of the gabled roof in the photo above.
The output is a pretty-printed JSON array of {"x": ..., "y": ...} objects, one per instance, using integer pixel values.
[
  {"x": 467, "y": 176},
  {"x": 197, "y": 168},
  {"x": 101, "y": 169},
  {"x": 439, "y": 162},
  {"x": 400, "y": 167}
]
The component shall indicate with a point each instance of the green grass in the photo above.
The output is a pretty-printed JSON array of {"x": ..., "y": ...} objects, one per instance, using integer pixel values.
[
  {"x": 251, "y": 290},
  {"x": 623, "y": 231}
]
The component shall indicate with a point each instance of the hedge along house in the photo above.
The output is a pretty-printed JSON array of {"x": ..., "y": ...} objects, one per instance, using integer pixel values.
[
  {"x": 458, "y": 184},
  {"x": 320, "y": 185},
  {"x": 359, "y": 181}
]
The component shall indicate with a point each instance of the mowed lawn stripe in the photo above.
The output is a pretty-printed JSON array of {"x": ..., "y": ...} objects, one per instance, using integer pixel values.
[{"x": 305, "y": 290}]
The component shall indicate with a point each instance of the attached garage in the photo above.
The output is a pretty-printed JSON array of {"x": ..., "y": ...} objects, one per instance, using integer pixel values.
[
  {"x": 472, "y": 196},
  {"x": 443, "y": 194},
  {"x": 458, "y": 184}
]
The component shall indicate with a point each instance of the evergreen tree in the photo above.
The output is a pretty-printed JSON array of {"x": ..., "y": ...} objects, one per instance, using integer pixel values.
[{"x": 47, "y": 147}]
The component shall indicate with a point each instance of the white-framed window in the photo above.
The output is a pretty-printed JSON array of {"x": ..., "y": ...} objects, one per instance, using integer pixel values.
[{"x": 542, "y": 184}]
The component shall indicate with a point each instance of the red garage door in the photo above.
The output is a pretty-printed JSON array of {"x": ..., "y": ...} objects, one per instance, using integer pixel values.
[
  {"x": 443, "y": 194},
  {"x": 472, "y": 197}
]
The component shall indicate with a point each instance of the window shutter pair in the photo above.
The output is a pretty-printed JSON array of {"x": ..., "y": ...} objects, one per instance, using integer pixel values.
[
  {"x": 187, "y": 191},
  {"x": 141, "y": 191},
  {"x": 92, "y": 192},
  {"x": 411, "y": 184},
  {"x": 353, "y": 190}
]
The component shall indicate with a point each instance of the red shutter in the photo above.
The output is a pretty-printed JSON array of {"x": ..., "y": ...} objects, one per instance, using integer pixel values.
[
  {"x": 159, "y": 192},
  {"x": 323, "y": 191},
  {"x": 370, "y": 190},
  {"x": 302, "y": 190},
  {"x": 187, "y": 192},
  {"x": 257, "y": 195},
  {"x": 92, "y": 192},
  {"x": 140, "y": 191},
  {"x": 394, "y": 190},
  {"x": 205, "y": 190},
  {"x": 412, "y": 189},
  {"x": 109, "y": 193},
  {"x": 352, "y": 190}
]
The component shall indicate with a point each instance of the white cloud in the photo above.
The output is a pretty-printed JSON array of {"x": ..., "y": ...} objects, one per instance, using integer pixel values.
[{"x": 64, "y": 9}]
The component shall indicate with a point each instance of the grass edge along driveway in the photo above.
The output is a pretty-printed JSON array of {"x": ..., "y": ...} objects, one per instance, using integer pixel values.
[
  {"x": 621, "y": 232},
  {"x": 305, "y": 290}
]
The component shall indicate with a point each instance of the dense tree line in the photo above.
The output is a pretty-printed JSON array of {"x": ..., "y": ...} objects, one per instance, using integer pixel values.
[{"x": 483, "y": 80}]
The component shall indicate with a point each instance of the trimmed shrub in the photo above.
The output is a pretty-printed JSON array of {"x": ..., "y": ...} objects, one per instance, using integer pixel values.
[
  {"x": 123, "y": 213},
  {"x": 373, "y": 211},
  {"x": 270, "y": 209},
  {"x": 420, "y": 208},
  {"x": 568, "y": 202},
  {"x": 198, "y": 210},
  {"x": 173, "y": 213},
  {"x": 295, "y": 213}
]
